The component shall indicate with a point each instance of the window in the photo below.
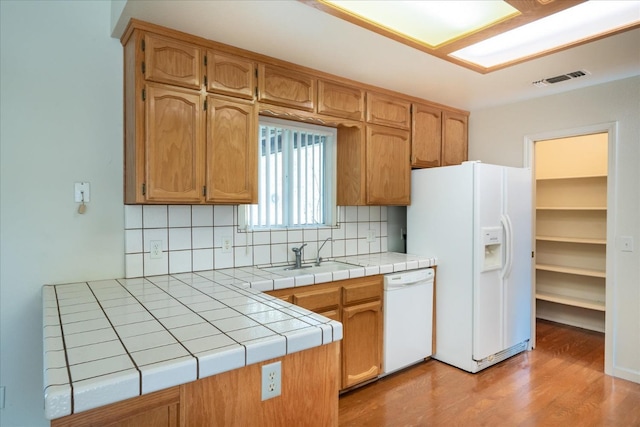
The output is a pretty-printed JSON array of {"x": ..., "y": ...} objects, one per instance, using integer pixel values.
[{"x": 296, "y": 175}]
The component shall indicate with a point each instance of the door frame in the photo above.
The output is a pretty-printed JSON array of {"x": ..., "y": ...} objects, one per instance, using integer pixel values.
[{"x": 611, "y": 128}]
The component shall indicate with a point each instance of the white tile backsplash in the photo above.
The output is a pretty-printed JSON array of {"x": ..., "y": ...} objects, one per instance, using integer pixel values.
[
  {"x": 154, "y": 216},
  {"x": 179, "y": 216},
  {"x": 192, "y": 238}
]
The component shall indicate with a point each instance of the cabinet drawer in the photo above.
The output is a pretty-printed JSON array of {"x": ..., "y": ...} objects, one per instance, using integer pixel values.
[
  {"x": 339, "y": 100},
  {"x": 172, "y": 61},
  {"x": 316, "y": 300},
  {"x": 280, "y": 86},
  {"x": 367, "y": 291},
  {"x": 388, "y": 111}
]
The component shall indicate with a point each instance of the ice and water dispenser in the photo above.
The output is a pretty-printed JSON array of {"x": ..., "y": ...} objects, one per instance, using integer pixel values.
[{"x": 492, "y": 242}]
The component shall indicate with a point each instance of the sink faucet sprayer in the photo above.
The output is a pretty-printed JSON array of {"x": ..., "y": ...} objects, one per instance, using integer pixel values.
[
  {"x": 298, "y": 252},
  {"x": 318, "y": 258}
]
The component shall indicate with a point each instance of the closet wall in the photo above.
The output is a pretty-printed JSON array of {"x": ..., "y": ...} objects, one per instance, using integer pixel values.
[{"x": 571, "y": 218}]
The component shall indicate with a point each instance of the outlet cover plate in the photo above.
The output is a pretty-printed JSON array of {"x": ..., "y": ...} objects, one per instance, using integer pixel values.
[
  {"x": 156, "y": 249},
  {"x": 271, "y": 380}
]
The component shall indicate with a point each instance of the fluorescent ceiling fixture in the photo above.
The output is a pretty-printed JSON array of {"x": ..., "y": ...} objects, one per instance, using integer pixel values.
[
  {"x": 569, "y": 26},
  {"x": 428, "y": 22}
]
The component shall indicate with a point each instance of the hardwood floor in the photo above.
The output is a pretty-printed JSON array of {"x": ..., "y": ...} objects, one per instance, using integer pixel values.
[{"x": 560, "y": 383}]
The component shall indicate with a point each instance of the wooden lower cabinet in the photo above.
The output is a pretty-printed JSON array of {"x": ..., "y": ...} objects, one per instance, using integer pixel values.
[
  {"x": 310, "y": 382},
  {"x": 159, "y": 409},
  {"x": 361, "y": 343},
  {"x": 357, "y": 303}
]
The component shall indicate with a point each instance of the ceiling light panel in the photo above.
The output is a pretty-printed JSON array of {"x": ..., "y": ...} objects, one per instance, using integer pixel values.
[
  {"x": 431, "y": 23},
  {"x": 578, "y": 23}
]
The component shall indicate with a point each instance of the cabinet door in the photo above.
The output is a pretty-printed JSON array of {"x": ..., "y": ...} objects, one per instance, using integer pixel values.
[
  {"x": 426, "y": 136},
  {"x": 232, "y": 146},
  {"x": 335, "y": 99},
  {"x": 388, "y": 111},
  {"x": 174, "y": 144},
  {"x": 351, "y": 160},
  {"x": 230, "y": 75},
  {"x": 362, "y": 343},
  {"x": 172, "y": 61},
  {"x": 454, "y": 138},
  {"x": 388, "y": 167},
  {"x": 280, "y": 86}
]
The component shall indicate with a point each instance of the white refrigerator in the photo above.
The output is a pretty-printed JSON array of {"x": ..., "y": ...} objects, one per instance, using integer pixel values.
[{"x": 476, "y": 218}]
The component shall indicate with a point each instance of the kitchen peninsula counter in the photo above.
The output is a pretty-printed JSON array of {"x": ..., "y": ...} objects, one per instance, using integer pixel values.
[{"x": 111, "y": 340}]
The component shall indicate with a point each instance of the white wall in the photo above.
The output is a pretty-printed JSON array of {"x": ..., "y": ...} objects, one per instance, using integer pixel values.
[
  {"x": 61, "y": 122},
  {"x": 497, "y": 135}
]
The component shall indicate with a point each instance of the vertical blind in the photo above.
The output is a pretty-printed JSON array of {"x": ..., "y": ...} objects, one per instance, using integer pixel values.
[{"x": 291, "y": 177}]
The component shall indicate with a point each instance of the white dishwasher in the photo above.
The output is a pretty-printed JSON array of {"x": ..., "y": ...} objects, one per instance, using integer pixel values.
[{"x": 408, "y": 318}]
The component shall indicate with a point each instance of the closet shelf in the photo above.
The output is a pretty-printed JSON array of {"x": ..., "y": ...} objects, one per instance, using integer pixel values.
[
  {"x": 574, "y": 302},
  {"x": 571, "y": 208},
  {"x": 572, "y": 240},
  {"x": 560, "y": 178},
  {"x": 571, "y": 270}
]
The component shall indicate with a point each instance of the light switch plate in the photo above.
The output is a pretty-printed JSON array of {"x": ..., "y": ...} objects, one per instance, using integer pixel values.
[{"x": 82, "y": 189}]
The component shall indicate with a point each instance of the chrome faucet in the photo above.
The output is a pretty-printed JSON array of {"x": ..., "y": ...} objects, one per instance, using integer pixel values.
[
  {"x": 298, "y": 252},
  {"x": 318, "y": 258}
]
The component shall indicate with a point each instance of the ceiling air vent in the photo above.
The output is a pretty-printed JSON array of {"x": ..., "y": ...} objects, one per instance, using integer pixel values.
[{"x": 560, "y": 78}]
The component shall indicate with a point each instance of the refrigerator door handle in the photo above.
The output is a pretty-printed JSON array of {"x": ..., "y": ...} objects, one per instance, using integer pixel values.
[{"x": 508, "y": 231}]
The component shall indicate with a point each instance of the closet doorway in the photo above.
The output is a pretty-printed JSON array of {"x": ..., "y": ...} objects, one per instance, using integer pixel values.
[{"x": 574, "y": 192}]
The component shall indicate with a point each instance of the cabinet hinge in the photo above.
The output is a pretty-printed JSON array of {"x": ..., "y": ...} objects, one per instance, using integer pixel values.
[
  {"x": 205, "y": 105},
  {"x": 144, "y": 67},
  {"x": 144, "y": 189},
  {"x": 204, "y": 190},
  {"x": 142, "y": 45},
  {"x": 144, "y": 95},
  {"x": 533, "y": 254},
  {"x": 256, "y": 92},
  {"x": 205, "y": 81},
  {"x": 256, "y": 70},
  {"x": 205, "y": 60},
  {"x": 411, "y": 109}
]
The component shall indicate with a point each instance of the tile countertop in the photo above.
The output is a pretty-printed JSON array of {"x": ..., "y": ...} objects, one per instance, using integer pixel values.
[{"x": 110, "y": 340}]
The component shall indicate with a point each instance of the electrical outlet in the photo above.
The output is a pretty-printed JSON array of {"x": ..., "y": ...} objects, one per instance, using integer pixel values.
[
  {"x": 371, "y": 236},
  {"x": 226, "y": 245},
  {"x": 271, "y": 380},
  {"x": 156, "y": 249}
]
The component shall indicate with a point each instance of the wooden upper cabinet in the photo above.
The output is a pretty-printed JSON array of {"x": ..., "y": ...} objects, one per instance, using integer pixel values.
[
  {"x": 339, "y": 100},
  {"x": 388, "y": 111},
  {"x": 388, "y": 167},
  {"x": 351, "y": 162},
  {"x": 280, "y": 86},
  {"x": 230, "y": 75},
  {"x": 173, "y": 144},
  {"x": 454, "y": 138},
  {"x": 426, "y": 136},
  {"x": 232, "y": 149},
  {"x": 171, "y": 61}
]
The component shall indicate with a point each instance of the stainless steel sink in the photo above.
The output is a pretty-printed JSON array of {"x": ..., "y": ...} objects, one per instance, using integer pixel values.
[{"x": 325, "y": 267}]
